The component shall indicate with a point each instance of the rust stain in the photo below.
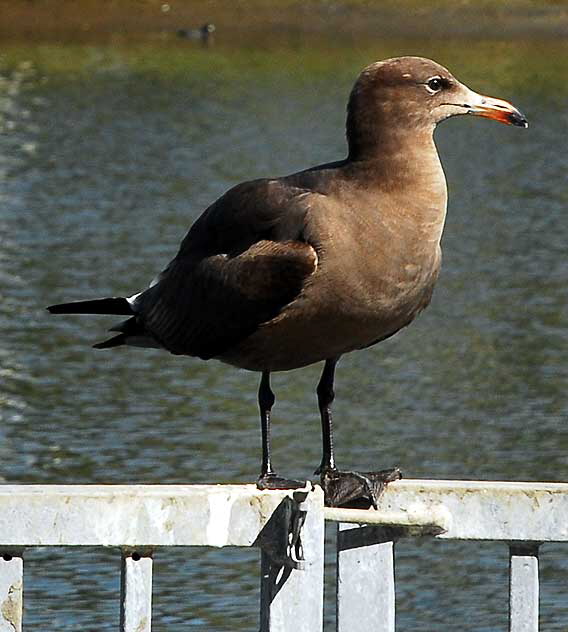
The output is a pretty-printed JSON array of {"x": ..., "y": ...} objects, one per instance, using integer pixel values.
[{"x": 11, "y": 606}]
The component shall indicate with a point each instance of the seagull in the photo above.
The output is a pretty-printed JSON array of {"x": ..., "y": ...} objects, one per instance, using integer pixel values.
[{"x": 280, "y": 273}]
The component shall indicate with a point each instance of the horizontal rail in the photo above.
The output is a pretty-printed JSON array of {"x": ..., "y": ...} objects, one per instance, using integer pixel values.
[
  {"x": 417, "y": 521},
  {"x": 234, "y": 515},
  {"x": 485, "y": 510},
  {"x": 137, "y": 516}
]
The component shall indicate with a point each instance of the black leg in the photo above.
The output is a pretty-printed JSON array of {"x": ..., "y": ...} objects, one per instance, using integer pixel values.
[
  {"x": 326, "y": 395},
  {"x": 268, "y": 479},
  {"x": 344, "y": 488},
  {"x": 265, "y": 402}
]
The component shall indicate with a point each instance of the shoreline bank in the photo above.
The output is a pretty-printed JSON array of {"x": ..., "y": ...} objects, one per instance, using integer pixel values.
[{"x": 236, "y": 20}]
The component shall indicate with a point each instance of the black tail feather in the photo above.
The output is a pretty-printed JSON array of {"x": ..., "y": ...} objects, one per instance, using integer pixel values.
[
  {"x": 116, "y": 341},
  {"x": 116, "y": 305}
]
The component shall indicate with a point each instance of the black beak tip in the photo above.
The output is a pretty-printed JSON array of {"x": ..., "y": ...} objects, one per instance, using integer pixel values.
[{"x": 518, "y": 119}]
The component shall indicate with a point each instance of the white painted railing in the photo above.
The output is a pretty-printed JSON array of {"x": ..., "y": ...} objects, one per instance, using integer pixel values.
[
  {"x": 524, "y": 515},
  {"x": 288, "y": 527}
]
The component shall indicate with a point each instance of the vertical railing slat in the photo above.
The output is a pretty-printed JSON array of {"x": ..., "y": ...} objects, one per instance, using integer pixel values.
[
  {"x": 365, "y": 579},
  {"x": 292, "y": 600},
  {"x": 11, "y": 589},
  {"x": 136, "y": 592},
  {"x": 523, "y": 588}
]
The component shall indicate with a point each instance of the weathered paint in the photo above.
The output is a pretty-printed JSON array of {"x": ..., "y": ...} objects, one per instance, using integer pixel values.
[
  {"x": 144, "y": 517},
  {"x": 11, "y": 585},
  {"x": 136, "y": 592},
  {"x": 365, "y": 579},
  {"x": 134, "y": 515},
  {"x": 234, "y": 515},
  {"x": 219, "y": 517},
  {"x": 415, "y": 520},
  {"x": 487, "y": 510},
  {"x": 523, "y": 588},
  {"x": 291, "y": 595}
]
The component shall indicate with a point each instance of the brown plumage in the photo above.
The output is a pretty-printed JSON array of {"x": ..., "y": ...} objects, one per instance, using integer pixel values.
[{"x": 281, "y": 273}]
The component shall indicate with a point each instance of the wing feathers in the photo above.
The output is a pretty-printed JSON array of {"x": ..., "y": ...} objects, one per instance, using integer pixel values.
[
  {"x": 241, "y": 263},
  {"x": 203, "y": 308}
]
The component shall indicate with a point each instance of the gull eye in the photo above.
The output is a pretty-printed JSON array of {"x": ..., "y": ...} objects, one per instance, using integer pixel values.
[{"x": 434, "y": 84}]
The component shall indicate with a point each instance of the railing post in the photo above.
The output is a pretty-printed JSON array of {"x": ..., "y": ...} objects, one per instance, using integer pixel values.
[
  {"x": 291, "y": 587},
  {"x": 136, "y": 592},
  {"x": 523, "y": 587},
  {"x": 11, "y": 584},
  {"x": 365, "y": 578}
]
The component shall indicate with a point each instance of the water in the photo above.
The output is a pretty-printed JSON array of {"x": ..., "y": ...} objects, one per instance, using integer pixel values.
[{"x": 109, "y": 151}]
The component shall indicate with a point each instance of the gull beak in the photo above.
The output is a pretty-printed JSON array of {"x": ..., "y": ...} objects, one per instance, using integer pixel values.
[{"x": 497, "y": 109}]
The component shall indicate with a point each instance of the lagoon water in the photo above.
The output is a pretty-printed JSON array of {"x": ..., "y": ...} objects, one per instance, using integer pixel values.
[{"x": 109, "y": 151}]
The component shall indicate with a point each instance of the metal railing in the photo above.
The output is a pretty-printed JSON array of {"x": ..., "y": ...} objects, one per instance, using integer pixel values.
[{"x": 288, "y": 527}]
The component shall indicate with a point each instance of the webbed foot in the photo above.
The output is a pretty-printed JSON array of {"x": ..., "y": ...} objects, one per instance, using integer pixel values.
[
  {"x": 273, "y": 481},
  {"x": 359, "y": 490}
]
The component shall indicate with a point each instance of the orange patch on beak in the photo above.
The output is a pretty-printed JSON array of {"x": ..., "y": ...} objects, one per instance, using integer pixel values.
[{"x": 499, "y": 110}]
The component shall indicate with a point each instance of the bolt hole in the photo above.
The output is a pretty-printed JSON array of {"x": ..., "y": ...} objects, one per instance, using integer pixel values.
[
  {"x": 6, "y": 557},
  {"x": 136, "y": 556}
]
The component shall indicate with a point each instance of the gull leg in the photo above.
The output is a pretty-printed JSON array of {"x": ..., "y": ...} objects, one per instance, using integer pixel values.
[
  {"x": 326, "y": 395},
  {"x": 344, "y": 488},
  {"x": 268, "y": 479}
]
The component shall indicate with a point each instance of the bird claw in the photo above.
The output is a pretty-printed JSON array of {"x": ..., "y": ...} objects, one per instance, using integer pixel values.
[{"x": 355, "y": 489}]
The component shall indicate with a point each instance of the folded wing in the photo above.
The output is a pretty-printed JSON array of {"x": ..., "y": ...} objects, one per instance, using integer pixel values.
[{"x": 238, "y": 267}]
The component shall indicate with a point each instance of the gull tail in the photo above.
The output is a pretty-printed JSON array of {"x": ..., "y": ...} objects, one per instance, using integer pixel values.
[
  {"x": 115, "y": 341},
  {"x": 117, "y": 305},
  {"x": 131, "y": 331}
]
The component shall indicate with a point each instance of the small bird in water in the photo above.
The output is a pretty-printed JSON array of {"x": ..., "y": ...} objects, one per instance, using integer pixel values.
[
  {"x": 204, "y": 33},
  {"x": 285, "y": 272}
]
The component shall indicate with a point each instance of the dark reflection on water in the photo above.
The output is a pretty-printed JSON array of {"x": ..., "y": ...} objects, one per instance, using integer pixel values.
[{"x": 106, "y": 157}]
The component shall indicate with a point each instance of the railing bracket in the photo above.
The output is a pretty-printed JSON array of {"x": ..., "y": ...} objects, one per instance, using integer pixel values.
[{"x": 281, "y": 538}]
